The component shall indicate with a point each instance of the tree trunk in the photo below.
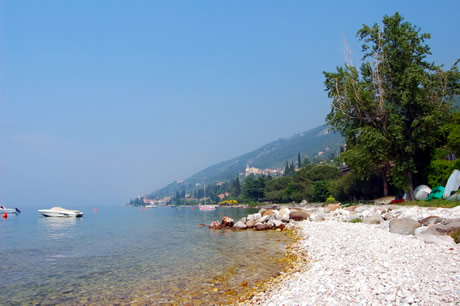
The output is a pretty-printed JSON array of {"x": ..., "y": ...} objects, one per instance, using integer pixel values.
[
  {"x": 410, "y": 191},
  {"x": 385, "y": 181}
]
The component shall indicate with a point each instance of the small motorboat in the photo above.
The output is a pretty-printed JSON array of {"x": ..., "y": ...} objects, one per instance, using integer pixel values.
[
  {"x": 9, "y": 211},
  {"x": 60, "y": 212}
]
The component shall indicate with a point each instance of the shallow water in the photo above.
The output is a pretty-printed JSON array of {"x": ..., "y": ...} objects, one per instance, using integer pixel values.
[{"x": 131, "y": 255}]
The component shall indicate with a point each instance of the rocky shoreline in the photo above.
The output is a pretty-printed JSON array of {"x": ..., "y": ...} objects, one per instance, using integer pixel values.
[{"x": 378, "y": 254}]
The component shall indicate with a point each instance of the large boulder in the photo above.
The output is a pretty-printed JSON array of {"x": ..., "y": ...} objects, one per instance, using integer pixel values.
[
  {"x": 263, "y": 219},
  {"x": 331, "y": 207},
  {"x": 262, "y": 226},
  {"x": 448, "y": 226},
  {"x": 351, "y": 208},
  {"x": 227, "y": 221},
  {"x": 215, "y": 225},
  {"x": 404, "y": 226},
  {"x": 299, "y": 215},
  {"x": 285, "y": 214},
  {"x": 240, "y": 225},
  {"x": 267, "y": 212},
  {"x": 373, "y": 219},
  {"x": 278, "y": 224},
  {"x": 251, "y": 223},
  {"x": 262, "y": 211},
  {"x": 431, "y": 235}
]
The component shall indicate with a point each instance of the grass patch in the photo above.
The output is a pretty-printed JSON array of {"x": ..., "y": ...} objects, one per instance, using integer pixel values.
[
  {"x": 432, "y": 203},
  {"x": 356, "y": 220}
]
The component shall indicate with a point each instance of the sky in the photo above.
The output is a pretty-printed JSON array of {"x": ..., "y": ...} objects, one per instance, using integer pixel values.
[{"x": 104, "y": 100}]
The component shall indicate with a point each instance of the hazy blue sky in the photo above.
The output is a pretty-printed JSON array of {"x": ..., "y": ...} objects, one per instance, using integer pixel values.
[{"x": 104, "y": 100}]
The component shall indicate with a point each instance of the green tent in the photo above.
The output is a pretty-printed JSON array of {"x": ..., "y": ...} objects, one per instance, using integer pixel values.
[{"x": 436, "y": 193}]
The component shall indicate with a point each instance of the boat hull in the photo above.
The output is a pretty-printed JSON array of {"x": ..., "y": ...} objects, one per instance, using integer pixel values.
[
  {"x": 9, "y": 211},
  {"x": 207, "y": 207},
  {"x": 50, "y": 213}
]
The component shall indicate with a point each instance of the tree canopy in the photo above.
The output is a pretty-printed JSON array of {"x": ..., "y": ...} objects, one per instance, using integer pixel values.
[{"x": 391, "y": 110}]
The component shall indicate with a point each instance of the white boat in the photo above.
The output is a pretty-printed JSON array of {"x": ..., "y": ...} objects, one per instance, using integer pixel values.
[
  {"x": 60, "y": 212},
  {"x": 150, "y": 206},
  {"x": 207, "y": 207},
  {"x": 10, "y": 211}
]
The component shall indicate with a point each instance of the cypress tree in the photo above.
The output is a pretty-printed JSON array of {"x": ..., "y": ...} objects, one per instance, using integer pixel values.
[{"x": 299, "y": 163}]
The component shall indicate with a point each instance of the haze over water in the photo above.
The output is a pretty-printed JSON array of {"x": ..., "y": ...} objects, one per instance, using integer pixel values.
[{"x": 124, "y": 254}]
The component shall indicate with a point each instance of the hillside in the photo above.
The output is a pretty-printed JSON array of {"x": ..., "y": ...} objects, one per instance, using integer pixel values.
[{"x": 272, "y": 155}]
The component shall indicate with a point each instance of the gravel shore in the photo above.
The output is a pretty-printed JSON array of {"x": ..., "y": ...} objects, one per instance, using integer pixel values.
[{"x": 355, "y": 263}]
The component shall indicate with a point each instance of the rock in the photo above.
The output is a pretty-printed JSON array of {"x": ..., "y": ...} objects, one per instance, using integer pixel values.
[
  {"x": 250, "y": 223},
  {"x": 388, "y": 216},
  {"x": 278, "y": 224},
  {"x": 227, "y": 221},
  {"x": 432, "y": 236},
  {"x": 262, "y": 226},
  {"x": 304, "y": 202},
  {"x": 202, "y": 225},
  {"x": 354, "y": 217},
  {"x": 285, "y": 214},
  {"x": 351, "y": 208},
  {"x": 448, "y": 226},
  {"x": 331, "y": 207},
  {"x": 430, "y": 220},
  {"x": 240, "y": 225},
  {"x": 268, "y": 212},
  {"x": 262, "y": 211},
  {"x": 263, "y": 219},
  {"x": 384, "y": 200},
  {"x": 215, "y": 225},
  {"x": 373, "y": 219},
  {"x": 299, "y": 215},
  {"x": 244, "y": 220},
  {"x": 404, "y": 226}
]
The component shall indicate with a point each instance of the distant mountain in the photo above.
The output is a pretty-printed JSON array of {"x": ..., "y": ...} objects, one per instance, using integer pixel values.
[{"x": 270, "y": 156}]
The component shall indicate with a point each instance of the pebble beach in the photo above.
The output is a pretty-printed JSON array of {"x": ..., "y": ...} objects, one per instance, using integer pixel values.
[{"x": 366, "y": 264}]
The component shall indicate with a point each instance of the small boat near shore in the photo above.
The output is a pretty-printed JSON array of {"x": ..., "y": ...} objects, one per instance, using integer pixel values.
[
  {"x": 9, "y": 211},
  {"x": 60, "y": 212},
  {"x": 207, "y": 207}
]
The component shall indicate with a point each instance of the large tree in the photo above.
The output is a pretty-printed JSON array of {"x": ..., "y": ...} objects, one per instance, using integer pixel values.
[{"x": 390, "y": 110}]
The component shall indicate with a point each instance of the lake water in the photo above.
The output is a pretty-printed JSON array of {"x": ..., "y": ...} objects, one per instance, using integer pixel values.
[{"x": 133, "y": 255}]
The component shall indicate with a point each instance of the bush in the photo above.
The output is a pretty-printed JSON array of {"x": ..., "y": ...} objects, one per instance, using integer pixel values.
[
  {"x": 440, "y": 170},
  {"x": 330, "y": 200}
]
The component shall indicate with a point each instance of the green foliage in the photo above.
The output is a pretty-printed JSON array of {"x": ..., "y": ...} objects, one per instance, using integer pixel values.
[
  {"x": 254, "y": 188},
  {"x": 440, "y": 170},
  {"x": 236, "y": 188},
  {"x": 350, "y": 187},
  {"x": 433, "y": 203},
  {"x": 391, "y": 111},
  {"x": 320, "y": 191},
  {"x": 356, "y": 220},
  {"x": 275, "y": 189},
  {"x": 330, "y": 200},
  {"x": 319, "y": 172},
  {"x": 305, "y": 162}
]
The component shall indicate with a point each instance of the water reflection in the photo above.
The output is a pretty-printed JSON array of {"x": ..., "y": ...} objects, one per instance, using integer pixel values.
[{"x": 58, "y": 222}]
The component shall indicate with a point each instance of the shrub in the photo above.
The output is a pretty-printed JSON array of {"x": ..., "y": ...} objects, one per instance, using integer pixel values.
[{"x": 330, "y": 199}]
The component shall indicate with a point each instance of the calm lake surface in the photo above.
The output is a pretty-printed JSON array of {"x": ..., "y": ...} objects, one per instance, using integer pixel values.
[{"x": 133, "y": 255}]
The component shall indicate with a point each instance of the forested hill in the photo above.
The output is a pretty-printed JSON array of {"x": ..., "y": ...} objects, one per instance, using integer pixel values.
[{"x": 272, "y": 155}]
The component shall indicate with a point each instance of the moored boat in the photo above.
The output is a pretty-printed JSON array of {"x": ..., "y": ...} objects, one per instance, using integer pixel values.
[
  {"x": 60, "y": 212},
  {"x": 207, "y": 207},
  {"x": 9, "y": 211}
]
